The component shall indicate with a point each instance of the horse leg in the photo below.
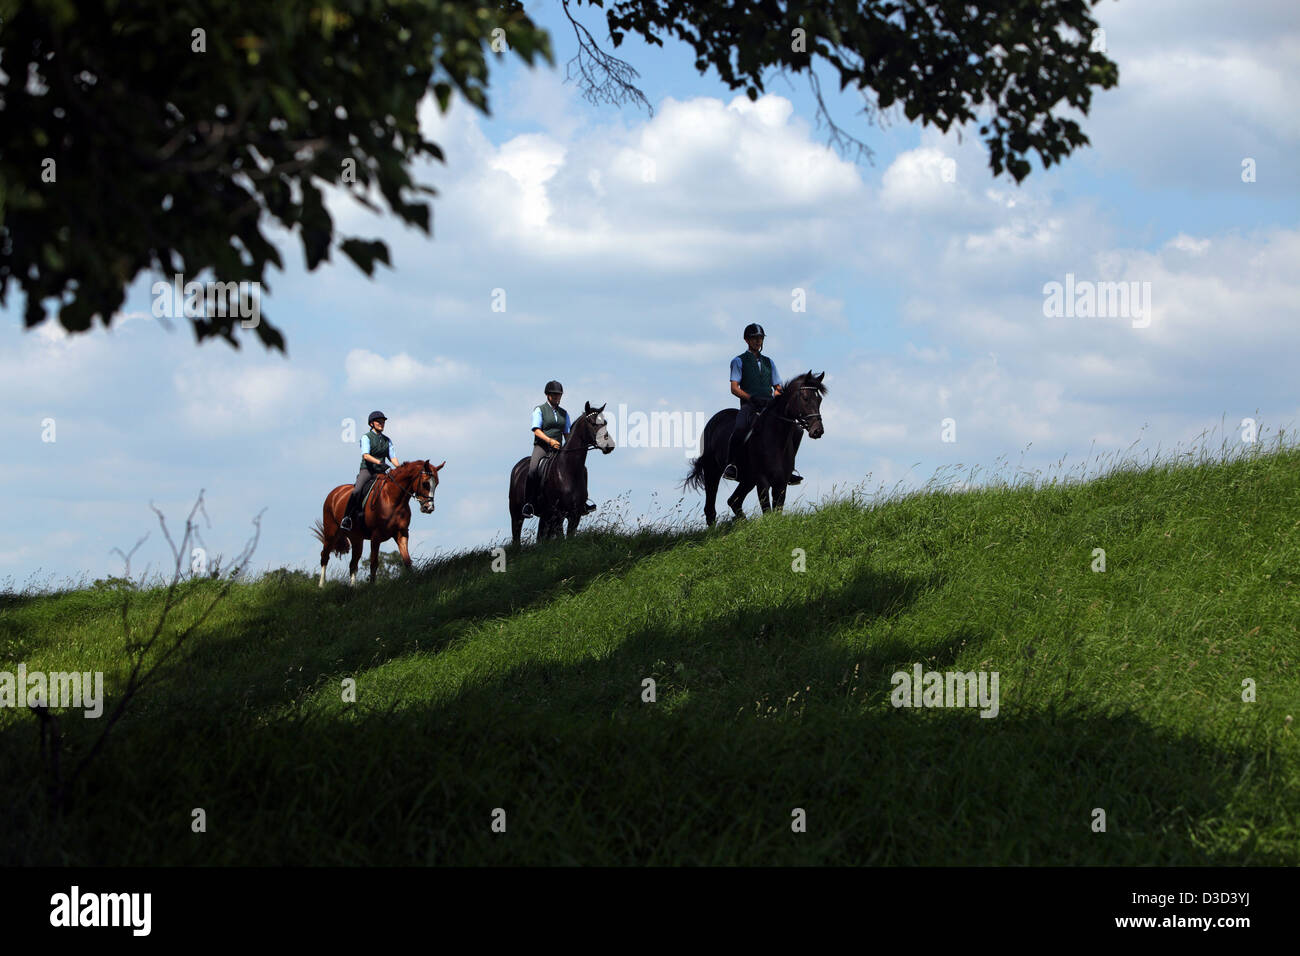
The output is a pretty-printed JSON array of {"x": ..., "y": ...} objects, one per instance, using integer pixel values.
[
  {"x": 712, "y": 477},
  {"x": 778, "y": 496},
  {"x": 374, "y": 557},
  {"x": 573, "y": 524},
  {"x": 764, "y": 501},
  {"x": 737, "y": 499},
  {"x": 357, "y": 546},
  {"x": 329, "y": 531},
  {"x": 403, "y": 540}
]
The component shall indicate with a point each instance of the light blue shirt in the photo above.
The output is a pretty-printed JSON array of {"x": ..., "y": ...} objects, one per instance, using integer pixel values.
[
  {"x": 537, "y": 419},
  {"x": 365, "y": 446},
  {"x": 736, "y": 371}
]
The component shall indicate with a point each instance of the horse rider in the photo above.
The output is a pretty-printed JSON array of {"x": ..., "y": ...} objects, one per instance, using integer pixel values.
[
  {"x": 550, "y": 427},
  {"x": 375, "y": 448},
  {"x": 754, "y": 380}
]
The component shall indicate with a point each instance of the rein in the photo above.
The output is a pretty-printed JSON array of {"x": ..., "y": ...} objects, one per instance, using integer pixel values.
[
  {"x": 803, "y": 421},
  {"x": 411, "y": 494},
  {"x": 591, "y": 442}
]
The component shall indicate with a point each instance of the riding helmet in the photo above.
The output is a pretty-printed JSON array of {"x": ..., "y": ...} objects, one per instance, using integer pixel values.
[
  {"x": 380, "y": 416},
  {"x": 754, "y": 329},
  {"x": 554, "y": 388}
]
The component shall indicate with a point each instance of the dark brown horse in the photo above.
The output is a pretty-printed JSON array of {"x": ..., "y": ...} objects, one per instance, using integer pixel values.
[
  {"x": 563, "y": 492},
  {"x": 387, "y": 515},
  {"x": 767, "y": 458}
]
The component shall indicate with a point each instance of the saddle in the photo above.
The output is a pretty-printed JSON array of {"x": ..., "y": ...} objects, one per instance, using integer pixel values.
[
  {"x": 544, "y": 468},
  {"x": 359, "y": 519},
  {"x": 759, "y": 412}
]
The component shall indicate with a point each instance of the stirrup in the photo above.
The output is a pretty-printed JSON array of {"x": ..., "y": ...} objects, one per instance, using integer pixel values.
[
  {"x": 346, "y": 523},
  {"x": 795, "y": 478},
  {"x": 528, "y": 510},
  {"x": 589, "y": 507},
  {"x": 731, "y": 472}
]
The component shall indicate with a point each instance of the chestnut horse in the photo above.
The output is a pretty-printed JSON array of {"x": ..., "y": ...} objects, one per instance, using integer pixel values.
[{"x": 387, "y": 515}]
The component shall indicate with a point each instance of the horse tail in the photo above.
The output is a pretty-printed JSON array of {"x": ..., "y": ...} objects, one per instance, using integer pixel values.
[
  {"x": 340, "y": 544},
  {"x": 696, "y": 478}
]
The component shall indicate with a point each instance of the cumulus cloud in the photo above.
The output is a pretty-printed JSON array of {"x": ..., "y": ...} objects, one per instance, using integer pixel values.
[
  {"x": 248, "y": 397},
  {"x": 632, "y": 253},
  {"x": 370, "y": 372}
]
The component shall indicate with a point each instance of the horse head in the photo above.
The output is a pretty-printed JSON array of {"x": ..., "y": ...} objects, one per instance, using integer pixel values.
[
  {"x": 426, "y": 484},
  {"x": 601, "y": 437},
  {"x": 804, "y": 402}
]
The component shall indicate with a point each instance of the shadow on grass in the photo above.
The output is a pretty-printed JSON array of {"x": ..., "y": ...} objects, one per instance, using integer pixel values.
[
  {"x": 760, "y": 712},
  {"x": 297, "y": 633}
]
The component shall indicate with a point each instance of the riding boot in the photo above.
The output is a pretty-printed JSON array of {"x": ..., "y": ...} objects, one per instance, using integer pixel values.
[
  {"x": 734, "y": 448},
  {"x": 530, "y": 495},
  {"x": 349, "y": 513}
]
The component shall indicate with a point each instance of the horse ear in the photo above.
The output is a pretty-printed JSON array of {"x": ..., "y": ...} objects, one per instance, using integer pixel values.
[
  {"x": 601, "y": 410},
  {"x": 821, "y": 376},
  {"x": 441, "y": 467},
  {"x": 588, "y": 408}
]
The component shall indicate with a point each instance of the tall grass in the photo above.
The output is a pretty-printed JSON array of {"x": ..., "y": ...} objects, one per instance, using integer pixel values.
[{"x": 524, "y": 689}]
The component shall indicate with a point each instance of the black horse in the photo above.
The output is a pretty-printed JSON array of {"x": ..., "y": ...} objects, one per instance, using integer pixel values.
[
  {"x": 767, "y": 459},
  {"x": 563, "y": 492}
]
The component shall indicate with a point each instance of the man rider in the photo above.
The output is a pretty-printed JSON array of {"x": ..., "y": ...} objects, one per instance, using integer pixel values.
[
  {"x": 754, "y": 380},
  {"x": 375, "y": 448},
  {"x": 550, "y": 426}
]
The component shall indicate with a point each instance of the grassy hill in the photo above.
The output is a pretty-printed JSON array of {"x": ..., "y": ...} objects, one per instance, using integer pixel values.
[{"x": 522, "y": 690}]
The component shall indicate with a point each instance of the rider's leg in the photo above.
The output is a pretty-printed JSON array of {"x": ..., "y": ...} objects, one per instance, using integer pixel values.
[
  {"x": 795, "y": 478},
  {"x": 530, "y": 487},
  {"x": 736, "y": 445},
  {"x": 354, "y": 500}
]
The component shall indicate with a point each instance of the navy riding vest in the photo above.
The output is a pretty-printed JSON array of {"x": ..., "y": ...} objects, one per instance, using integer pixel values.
[
  {"x": 552, "y": 423},
  {"x": 756, "y": 374},
  {"x": 379, "y": 446}
]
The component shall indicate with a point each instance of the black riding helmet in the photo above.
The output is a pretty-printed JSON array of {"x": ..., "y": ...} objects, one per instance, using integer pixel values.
[
  {"x": 376, "y": 416},
  {"x": 754, "y": 329},
  {"x": 554, "y": 388}
]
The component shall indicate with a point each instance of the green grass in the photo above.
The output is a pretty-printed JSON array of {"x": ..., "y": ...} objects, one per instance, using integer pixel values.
[{"x": 522, "y": 690}]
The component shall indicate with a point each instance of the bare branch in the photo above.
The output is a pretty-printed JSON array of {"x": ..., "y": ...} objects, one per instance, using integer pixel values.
[
  {"x": 51, "y": 738},
  {"x": 602, "y": 78}
]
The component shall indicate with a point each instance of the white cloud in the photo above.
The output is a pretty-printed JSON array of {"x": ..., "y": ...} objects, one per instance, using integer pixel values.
[
  {"x": 252, "y": 397},
  {"x": 370, "y": 372}
]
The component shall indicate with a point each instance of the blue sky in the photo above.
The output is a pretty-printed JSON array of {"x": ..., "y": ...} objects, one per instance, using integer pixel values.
[{"x": 633, "y": 249}]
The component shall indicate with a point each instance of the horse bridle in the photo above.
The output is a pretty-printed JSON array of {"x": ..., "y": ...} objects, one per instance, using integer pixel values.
[
  {"x": 591, "y": 442},
  {"x": 416, "y": 495},
  {"x": 804, "y": 421}
]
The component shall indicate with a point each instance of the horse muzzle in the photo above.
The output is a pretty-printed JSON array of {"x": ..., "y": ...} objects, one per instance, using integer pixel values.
[{"x": 426, "y": 507}]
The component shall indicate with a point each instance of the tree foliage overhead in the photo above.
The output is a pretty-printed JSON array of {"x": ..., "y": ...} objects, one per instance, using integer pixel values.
[
  {"x": 178, "y": 131},
  {"x": 943, "y": 61},
  {"x": 176, "y": 160}
]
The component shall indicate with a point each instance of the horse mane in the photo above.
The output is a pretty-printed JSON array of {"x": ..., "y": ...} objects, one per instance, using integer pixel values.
[
  {"x": 791, "y": 387},
  {"x": 577, "y": 422}
]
